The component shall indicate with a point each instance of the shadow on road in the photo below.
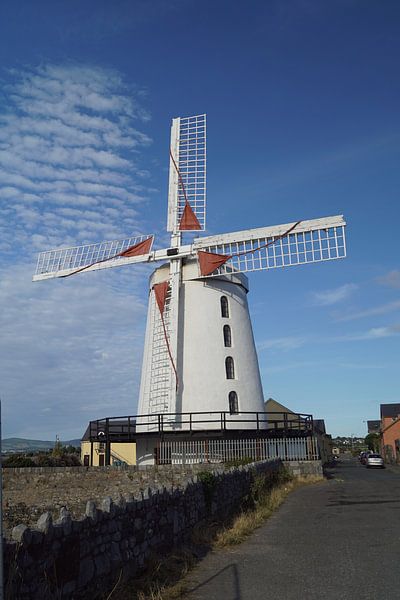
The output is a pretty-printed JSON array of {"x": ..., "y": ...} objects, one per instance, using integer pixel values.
[
  {"x": 230, "y": 571},
  {"x": 350, "y": 502}
]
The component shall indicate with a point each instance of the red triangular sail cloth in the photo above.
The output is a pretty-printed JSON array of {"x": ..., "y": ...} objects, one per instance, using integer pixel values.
[
  {"x": 209, "y": 261},
  {"x": 138, "y": 249},
  {"x": 160, "y": 290},
  {"x": 189, "y": 221}
]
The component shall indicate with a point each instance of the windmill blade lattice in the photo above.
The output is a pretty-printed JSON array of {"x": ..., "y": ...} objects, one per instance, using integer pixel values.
[
  {"x": 91, "y": 257},
  {"x": 278, "y": 246},
  {"x": 187, "y": 171}
]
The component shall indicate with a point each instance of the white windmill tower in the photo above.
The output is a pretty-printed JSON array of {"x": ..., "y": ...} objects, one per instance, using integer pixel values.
[{"x": 199, "y": 356}]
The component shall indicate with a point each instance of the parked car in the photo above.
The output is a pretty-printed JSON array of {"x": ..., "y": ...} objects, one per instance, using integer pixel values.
[
  {"x": 363, "y": 456},
  {"x": 374, "y": 460}
]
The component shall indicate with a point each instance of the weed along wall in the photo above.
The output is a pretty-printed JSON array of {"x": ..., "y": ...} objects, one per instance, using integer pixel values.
[{"x": 81, "y": 557}]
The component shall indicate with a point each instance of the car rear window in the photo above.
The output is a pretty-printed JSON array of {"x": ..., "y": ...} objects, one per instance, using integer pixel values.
[{"x": 375, "y": 456}]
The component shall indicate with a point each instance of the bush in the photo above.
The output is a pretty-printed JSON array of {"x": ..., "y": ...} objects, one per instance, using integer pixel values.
[
  {"x": 64, "y": 460},
  {"x": 18, "y": 460},
  {"x": 208, "y": 481},
  {"x": 44, "y": 460}
]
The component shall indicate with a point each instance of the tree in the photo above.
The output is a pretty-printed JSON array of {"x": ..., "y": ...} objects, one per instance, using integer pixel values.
[
  {"x": 58, "y": 449},
  {"x": 373, "y": 441}
]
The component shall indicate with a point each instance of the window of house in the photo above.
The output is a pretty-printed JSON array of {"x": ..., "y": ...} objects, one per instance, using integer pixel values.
[
  {"x": 224, "y": 307},
  {"x": 233, "y": 403},
  {"x": 229, "y": 368},
  {"x": 227, "y": 336}
]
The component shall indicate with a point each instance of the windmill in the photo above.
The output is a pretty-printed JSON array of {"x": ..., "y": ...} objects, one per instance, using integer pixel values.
[{"x": 199, "y": 354}]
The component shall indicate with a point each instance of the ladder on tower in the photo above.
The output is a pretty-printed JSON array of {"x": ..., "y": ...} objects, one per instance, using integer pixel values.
[{"x": 160, "y": 368}]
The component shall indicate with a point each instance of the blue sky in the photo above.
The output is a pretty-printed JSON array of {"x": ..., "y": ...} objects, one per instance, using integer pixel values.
[{"x": 302, "y": 100}]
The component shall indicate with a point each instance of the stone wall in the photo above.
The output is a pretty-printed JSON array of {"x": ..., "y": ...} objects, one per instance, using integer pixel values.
[
  {"x": 304, "y": 467},
  {"x": 81, "y": 557},
  {"x": 28, "y": 492}
]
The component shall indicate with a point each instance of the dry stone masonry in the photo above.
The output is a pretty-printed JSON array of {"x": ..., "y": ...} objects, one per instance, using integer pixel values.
[
  {"x": 28, "y": 492},
  {"x": 80, "y": 557}
]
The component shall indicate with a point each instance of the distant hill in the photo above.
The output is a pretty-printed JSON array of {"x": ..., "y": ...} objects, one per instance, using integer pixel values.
[{"x": 23, "y": 445}]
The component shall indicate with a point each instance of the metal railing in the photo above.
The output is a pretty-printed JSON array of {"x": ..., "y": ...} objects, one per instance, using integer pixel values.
[
  {"x": 126, "y": 428},
  {"x": 222, "y": 451}
]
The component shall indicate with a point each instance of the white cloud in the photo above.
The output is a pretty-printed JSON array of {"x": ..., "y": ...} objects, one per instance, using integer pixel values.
[
  {"x": 293, "y": 342},
  {"x": 69, "y": 138},
  {"x": 391, "y": 279},
  {"x": 329, "y": 297},
  {"x": 369, "y": 312},
  {"x": 374, "y": 333},
  {"x": 288, "y": 366},
  {"x": 282, "y": 343},
  {"x": 71, "y": 172},
  {"x": 69, "y": 343}
]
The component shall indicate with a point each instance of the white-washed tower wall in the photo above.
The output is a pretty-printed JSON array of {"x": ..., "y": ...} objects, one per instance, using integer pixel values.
[{"x": 202, "y": 352}]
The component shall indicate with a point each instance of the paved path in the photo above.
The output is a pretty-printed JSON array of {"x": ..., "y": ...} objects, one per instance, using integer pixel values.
[{"x": 338, "y": 540}]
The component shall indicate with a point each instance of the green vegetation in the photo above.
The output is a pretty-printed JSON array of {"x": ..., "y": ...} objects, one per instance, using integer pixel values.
[
  {"x": 208, "y": 481},
  {"x": 60, "y": 456},
  {"x": 373, "y": 442},
  {"x": 18, "y": 460}
]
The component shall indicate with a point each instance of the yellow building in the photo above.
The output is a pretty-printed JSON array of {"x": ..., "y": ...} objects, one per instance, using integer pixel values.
[{"x": 96, "y": 452}]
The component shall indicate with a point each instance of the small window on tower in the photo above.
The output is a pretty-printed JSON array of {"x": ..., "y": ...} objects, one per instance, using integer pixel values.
[
  {"x": 224, "y": 307},
  {"x": 227, "y": 336},
  {"x": 233, "y": 403},
  {"x": 229, "y": 368}
]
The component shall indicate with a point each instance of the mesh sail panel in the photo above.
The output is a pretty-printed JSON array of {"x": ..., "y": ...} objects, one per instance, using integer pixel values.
[
  {"x": 57, "y": 263},
  {"x": 258, "y": 249}
]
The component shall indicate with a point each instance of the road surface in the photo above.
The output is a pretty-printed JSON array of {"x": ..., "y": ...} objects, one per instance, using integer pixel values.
[{"x": 338, "y": 540}]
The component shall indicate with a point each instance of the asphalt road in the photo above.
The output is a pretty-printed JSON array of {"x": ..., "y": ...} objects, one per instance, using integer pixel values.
[{"x": 338, "y": 540}]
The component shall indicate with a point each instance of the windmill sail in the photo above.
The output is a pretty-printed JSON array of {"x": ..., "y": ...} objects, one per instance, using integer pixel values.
[
  {"x": 271, "y": 247},
  {"x": 187, "y": 175},
  {"x": 91, "y": 257}
]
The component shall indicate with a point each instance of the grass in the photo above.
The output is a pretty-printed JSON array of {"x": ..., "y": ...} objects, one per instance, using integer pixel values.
[
  {"x": 245, "y": 523},
  {"x": 165, "y": 580}
]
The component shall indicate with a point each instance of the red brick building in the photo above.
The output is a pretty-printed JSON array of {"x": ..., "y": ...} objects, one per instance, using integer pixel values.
[{"x": 390, "y": 432}]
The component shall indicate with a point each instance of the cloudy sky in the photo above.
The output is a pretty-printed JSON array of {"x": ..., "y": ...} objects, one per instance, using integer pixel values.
[{"x": 302, "y": 100}]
